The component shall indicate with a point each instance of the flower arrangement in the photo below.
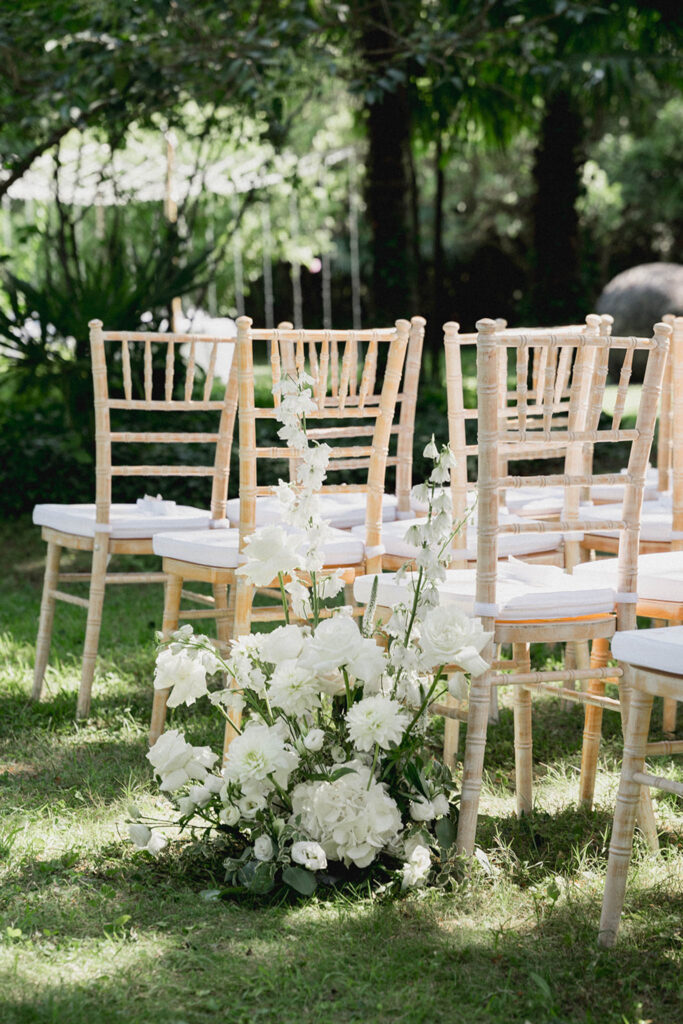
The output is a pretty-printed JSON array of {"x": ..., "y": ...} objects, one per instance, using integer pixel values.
[{"x": 329, "y": 770}]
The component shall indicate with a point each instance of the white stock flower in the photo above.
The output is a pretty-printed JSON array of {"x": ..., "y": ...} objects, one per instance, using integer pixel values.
[
  {"x": 330, "y": 584},
  {"x": 176, "y": 762},
  {"x": 263, "y": 848},
  {"x": 310, "y": 855},
  {"x": 300, "y": 597},
  {"x": 269, "y": 551},
  {"x": 353, "y": 818},
  {"x": 416, "y": 868},
  {"x": 259, "y": 759},
  {"x": 294, "y": 688},
  {"x": 184, "y": 676},
  {"x": 377, "y": 719},
  {"x": 282, "y": 644},
  {"x": 314, "y": 739},
  {"x": 451, "y": 637}
]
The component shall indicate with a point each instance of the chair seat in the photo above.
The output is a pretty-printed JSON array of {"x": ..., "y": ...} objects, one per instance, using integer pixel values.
[
  {"x": 534, "y": 500},
  {"x": 509, "y": 544},
  {"x": 658, "y": 649},
  {"x": 660, "y": 576},
  {"x": 128, "y": 522},
  {"x": 656, "y": 522},
  {"x": 524, "y": 591},
  {"x": 219, "y": 549},
  {"x": 341, "y": 511}
]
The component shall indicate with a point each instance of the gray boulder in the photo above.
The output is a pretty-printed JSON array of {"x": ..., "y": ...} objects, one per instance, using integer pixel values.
[
  {"x": 637, "y": 299},
  {"x": 640, "y": 296}
]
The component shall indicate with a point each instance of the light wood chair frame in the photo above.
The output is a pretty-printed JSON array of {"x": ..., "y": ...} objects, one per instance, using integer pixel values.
[
  {"x": 498, "y": 442},
  {"x": 102, "y": 544},
  {"x": 642, "y": 685},
  {"x": 343, "y": 393}
]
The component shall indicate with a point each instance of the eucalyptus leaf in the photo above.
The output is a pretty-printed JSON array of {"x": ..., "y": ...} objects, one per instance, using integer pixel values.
[{"x": 300, "y": 880}]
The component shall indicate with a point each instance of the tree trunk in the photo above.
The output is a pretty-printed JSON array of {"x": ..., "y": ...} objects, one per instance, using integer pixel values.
[
  {"x": 388, "y": 184},
  {"x": 556, "y": 284}
]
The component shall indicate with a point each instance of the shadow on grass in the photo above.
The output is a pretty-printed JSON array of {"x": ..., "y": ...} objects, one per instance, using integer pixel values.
[{"x": 197, "y": 962}]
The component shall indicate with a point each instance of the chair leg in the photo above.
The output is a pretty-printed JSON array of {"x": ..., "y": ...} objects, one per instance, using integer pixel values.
[
  {"x": 592, "y": 727},
  {"x": 100, "y": 556},
  {"x": 475, "y": 746},
  {"x": 670, "y": 707},
  {"x": 47, "y": 611},
  {"x": 224, "y": 613},
  {"x": 173, "y": 590},
  {"x": 645, "y": 818},
  {"x": 523, "y": 740},
  {"x": 451, "y": 736},
  {"x": 624, "y": 818}
]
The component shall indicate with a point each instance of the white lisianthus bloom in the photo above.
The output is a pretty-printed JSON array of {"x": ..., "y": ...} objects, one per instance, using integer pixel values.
[
  {"x": 140, "y": 834},
  {"x": 457, "y": 685},
  {"x": 377, "y": 719},
  {"x": 440, "y": 805},
  {"x": 269, "y": 551},
  {"x": 183, "y": 675},
  {"x": 353, "y": 818},
  {"x": 186, "y": 805},
  {"x": 422, "y": 809},
  {"x": 416, "y": 868},
  {"x": 145, "y": 839},
  {"x": 263, "y": 848},
  {"x": 200, "y": 795},
  {"x": 229, "y": 815},
  {"x": 250, "y": 805},
  {"x": 449, "y": 636},
  {"x": 176, "y": 762},
  {"x": 283, "y": 644},
  {"x": 294, "y": 689},
  {"x": 314, "y": 739},
  {"x": 259, "y": 758},
  {"x": 309, "y": 855}
]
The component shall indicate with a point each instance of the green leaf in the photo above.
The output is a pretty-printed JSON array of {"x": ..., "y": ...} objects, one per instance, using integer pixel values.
[
  {"x": 445, "y": 833},
  {"x": 300, "y": 880},
  {"x": 542, "y": 984}
]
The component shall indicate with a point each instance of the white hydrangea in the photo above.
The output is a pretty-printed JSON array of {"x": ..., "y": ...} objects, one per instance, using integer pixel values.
[
  {"x": 376, "y": 719},
  {"x": 259, "y": 758},
  {"x": 353, "y": 818},
  {"x": 176, "y": 762}
]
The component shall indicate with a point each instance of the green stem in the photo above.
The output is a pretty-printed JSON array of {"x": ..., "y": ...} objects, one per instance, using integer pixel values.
[
  {"x": 284, "y": 597},
  {"x": 374, "y": 763},
  {"x": 425, "y": 702}
]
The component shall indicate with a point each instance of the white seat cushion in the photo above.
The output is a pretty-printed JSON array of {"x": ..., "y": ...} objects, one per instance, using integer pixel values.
[
  {"x": 523, "y": 592},
  {"x": 656, "y": 521},
  {"x": 509, "y": 544},
  {"x": 534, "y": 500},
  {"x": 219, "y": 548},
  {"x": 127, "y": 521},
  {"x": 615, "y": 492},
  {"x": 659, "y": 649},
  {"x": 341, "y": 511},
  {"x": 660, "y": 576}
]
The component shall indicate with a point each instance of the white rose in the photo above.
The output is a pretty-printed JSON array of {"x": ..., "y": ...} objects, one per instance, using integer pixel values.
[
  {"x": 447, "y": 634},
  {"x": 336, "y": 642},
  {"x": 263, "y": 848},
  {"x": 310, "y": 855},
  {"x": 314, "y": 739},
  {"x": 283, "y": 644}
]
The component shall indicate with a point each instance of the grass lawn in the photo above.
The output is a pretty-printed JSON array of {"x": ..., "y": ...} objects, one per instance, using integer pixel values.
[{"x": 92, "y": 931}]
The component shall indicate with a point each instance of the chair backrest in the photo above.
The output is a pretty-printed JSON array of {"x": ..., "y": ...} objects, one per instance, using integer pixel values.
[
  {"x": 355, "y": 407},
  {"x": 458, "y": 414},
  {"x": 507, "y": 433},
  {"x": 135, "y": 372},
  {"x": 675, "y": 433}
]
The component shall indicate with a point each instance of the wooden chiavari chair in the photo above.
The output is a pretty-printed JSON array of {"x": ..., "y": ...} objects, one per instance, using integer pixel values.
[
  {"x": 106, "y": 528},
  {"x": 523, "y": 604},
  {"x": 355, "y": 419}
]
